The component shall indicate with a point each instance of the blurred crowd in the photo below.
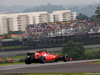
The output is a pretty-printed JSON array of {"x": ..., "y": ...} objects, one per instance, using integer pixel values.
[{"x": 64, "y": 28}]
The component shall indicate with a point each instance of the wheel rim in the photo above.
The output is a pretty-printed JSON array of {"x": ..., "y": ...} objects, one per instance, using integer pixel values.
[{"x": 43, "y": 59}]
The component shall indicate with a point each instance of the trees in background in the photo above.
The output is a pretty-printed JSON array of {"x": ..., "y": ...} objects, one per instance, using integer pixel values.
[
  {"x": 82, "y": 17},
  {"x": 74, "y": 50},
  {"x": 97, "y": 12},
  {"x": 16, "y": 32}
]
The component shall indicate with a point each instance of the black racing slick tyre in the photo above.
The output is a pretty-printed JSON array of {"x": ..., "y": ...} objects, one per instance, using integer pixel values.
[
  {"x": 27, "y": 60},
  {"x": 65, "y": 58},
  {"x": 35, "y": 60},
  {"x": 42, "y": 59}
]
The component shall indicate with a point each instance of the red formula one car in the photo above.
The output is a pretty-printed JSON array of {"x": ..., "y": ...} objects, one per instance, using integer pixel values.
[{"x": 43, "y": 56}]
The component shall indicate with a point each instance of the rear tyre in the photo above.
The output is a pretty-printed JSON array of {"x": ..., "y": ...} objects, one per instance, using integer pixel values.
[
  {"x": 27, "y": 60},
  {"x": 42, "y": 59},
  {"x": 65, "y": 58}
]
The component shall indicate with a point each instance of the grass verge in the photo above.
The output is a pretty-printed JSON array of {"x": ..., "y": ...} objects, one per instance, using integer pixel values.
[
  {"x": 17, "y": 57},
  {"x": 12, "y": 63},
  {"x": 11, "y": 47},
  {"x": 92, "y": 73},
  {"x": 97, "y": 62},
  {"x": 92, "y": 54},
  {"x": 91, "y": 51}
]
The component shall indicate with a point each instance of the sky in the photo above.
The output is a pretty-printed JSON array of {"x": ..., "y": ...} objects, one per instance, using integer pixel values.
[{"x": 44, "y": 2}]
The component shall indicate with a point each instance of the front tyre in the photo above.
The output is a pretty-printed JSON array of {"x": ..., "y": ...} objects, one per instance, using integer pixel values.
[
  {"x": 65, "y": 58},
  {"x": 27, "y": 60}
]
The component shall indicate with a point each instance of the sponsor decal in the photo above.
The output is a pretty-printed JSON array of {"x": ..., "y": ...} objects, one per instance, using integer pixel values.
[{"x": 51, "y": 57}]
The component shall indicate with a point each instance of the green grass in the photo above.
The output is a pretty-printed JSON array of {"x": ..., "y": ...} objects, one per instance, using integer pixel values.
[
  {"x": 11, "y": 47},
  {"x": 90, "y": 73},
  {"x": 17, "y": 57},
  {"x": 97, "y": 62},
  {"x": 91, "y": 51},
  {"x": 12, "y": 63},
  {"x": 48, "y": 74},
  {"x": 92, "y": 54}
]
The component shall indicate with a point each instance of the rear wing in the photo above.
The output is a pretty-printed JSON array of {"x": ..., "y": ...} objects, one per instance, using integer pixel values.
[{"x": 30, "y": 53}]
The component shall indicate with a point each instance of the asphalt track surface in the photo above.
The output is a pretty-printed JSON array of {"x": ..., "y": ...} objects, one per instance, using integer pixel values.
[
  {"x": 56, "y": 49},
  {"x": 58, "y": 67}
]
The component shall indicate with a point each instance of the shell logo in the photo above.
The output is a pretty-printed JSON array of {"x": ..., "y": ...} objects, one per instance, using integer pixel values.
[{"x": 51, "y": 57}]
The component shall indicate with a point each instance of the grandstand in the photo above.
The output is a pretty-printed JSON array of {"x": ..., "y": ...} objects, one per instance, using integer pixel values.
[{"x": 58, "y": 33}]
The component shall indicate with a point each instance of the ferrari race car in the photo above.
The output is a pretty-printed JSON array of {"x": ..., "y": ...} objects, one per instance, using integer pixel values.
[{"x": 43, "y": 56}]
